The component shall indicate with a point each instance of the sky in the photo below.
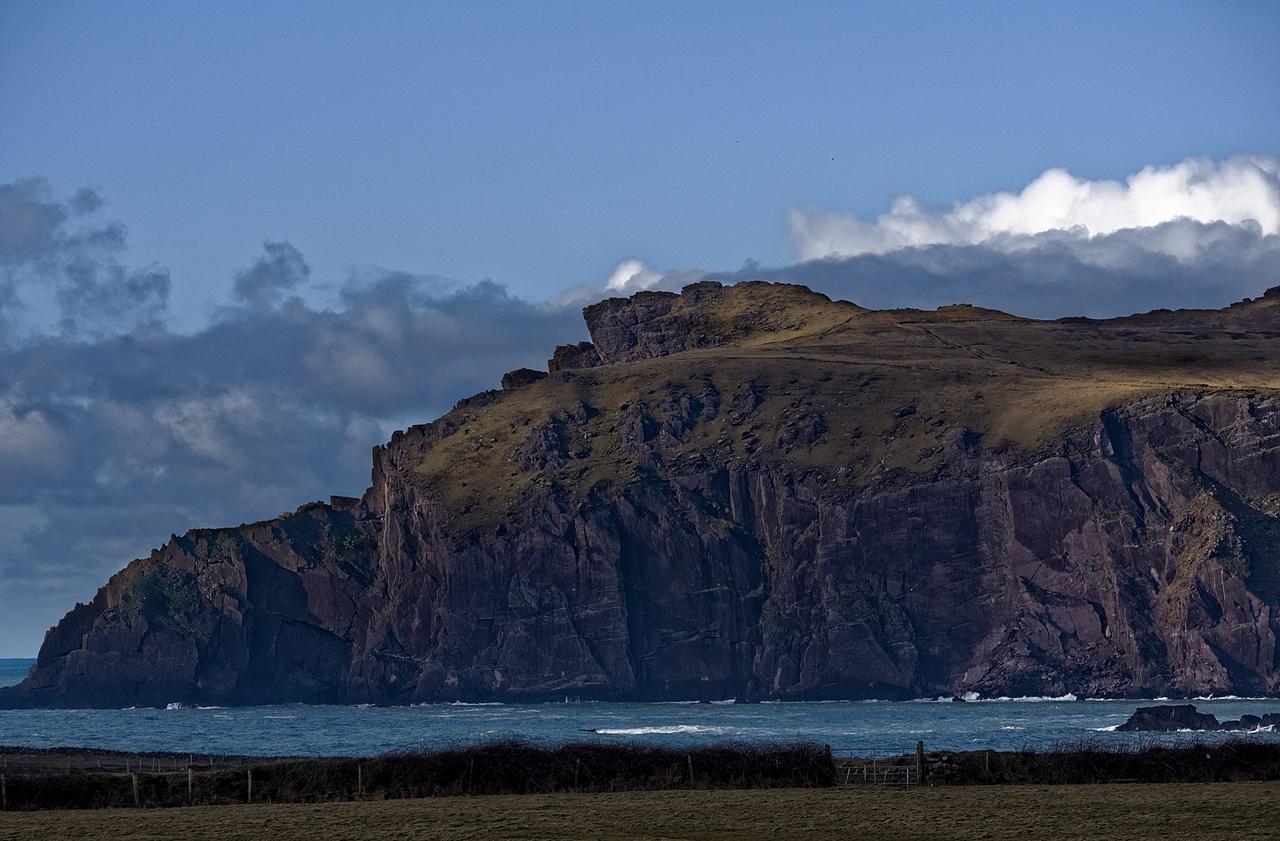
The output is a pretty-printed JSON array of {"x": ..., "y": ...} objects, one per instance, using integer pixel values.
[{"x": 241, "y": 243}]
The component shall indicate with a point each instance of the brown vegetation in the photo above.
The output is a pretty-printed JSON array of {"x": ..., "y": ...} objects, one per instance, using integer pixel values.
[
  {"x": 1238, "y": 812},
  {"x": 494, "y": 768}
]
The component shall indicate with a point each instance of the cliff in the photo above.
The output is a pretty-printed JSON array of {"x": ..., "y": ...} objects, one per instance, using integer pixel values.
[{"x": 756, "y": 492}]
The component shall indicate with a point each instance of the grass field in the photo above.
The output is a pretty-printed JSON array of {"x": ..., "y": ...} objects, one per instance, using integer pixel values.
[{"x": 1237, "y": 811}]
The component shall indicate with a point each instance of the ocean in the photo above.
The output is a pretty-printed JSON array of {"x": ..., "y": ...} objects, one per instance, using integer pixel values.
[
  {"x": 13, "y": 669},
  {"x": 857, "y": 726}
]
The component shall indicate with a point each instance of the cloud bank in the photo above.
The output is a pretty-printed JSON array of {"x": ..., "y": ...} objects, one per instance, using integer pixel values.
[
  {"x": 1195, "y": 234},
  {"x": 116, "y": 431},
  {"x": 1237, "y": 191}
]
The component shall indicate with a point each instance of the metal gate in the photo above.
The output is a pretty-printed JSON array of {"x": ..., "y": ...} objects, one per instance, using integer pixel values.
[{"x": 857, "y": 767}]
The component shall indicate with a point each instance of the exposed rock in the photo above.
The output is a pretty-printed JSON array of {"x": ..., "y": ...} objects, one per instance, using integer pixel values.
[
  {"x": 570, "y": 357},
  {"x": 1169, "y": 717},
  {"x": 704, "y": 315},
  {"x": 744, "y": 510},
  {"x": 521, "y": 377},
  {"x": 1187, "y": 717}
]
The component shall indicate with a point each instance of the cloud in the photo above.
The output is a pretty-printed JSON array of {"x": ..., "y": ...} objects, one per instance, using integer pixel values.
[
  {"x": 116, "y": 431},
  {"x": 1236, "y": 191},
  {"x": 281, "y": 269},
  {"x": 631, "y": 274},
  {"x": 1194, "y": 234},
  {"x": 60, "y": 265},
  {"x": 1052, "y": 275}
]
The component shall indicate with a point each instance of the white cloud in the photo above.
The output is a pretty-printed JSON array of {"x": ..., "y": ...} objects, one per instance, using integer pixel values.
[
  {"x": 1237, "y": 191},
  {"x": 632, "y": 276}
]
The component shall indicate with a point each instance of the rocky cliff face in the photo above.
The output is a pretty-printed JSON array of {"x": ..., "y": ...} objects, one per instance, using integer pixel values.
[{"x": 754, "y": 492}]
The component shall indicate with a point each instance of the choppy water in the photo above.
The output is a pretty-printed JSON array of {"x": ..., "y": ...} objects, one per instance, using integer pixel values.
[{"x": 860, "y": 725}]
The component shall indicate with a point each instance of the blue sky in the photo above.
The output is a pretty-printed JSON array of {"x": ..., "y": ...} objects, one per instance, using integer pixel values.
[
  {"x": 292, "y": 210},
  {"x": 539, "y": 144}
]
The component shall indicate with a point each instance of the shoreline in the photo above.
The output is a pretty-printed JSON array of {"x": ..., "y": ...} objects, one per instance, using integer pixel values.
[{"x": 1068, "y": 698}]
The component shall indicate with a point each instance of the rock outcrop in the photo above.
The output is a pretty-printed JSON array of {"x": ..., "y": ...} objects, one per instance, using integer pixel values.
[
  {"x": 757, "y": 493},
  {"x": 1174, "y": 717},
  {"x": 521, "y": 377},
  {"x": 568, "y": 357}
]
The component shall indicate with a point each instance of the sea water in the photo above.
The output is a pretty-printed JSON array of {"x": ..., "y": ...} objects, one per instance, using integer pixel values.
[
  {"x": 13, "y": 670},
  {"x": 857, "y": 726}
]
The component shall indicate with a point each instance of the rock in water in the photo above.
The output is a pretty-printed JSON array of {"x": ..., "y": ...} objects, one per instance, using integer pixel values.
[
  {"x": 756, "y": 492},
  {"x": 1169, "y": 717}
]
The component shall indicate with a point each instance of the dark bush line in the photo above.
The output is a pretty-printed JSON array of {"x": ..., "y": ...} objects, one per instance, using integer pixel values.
[
  {"x": 1093, "y": 762},
  {"x": 495, "y": 768}
]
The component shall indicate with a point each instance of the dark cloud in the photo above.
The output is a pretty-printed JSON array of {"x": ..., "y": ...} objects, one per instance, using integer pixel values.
[
  {"x": 30, "y": 223},
  {"x": 85, "y": 201},
  {"x": 280, "y": 270},
  {"x": 59, "y": 265},
  {"x": 111, "y": 439}
]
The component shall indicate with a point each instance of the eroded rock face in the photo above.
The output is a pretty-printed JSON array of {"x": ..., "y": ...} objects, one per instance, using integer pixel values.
[
  {"x": 693, "y": 540},
  {"x": 569, "y": 357},
  {"x": 1136, "y": 561},
  {"x": 521, "y": 377},
  {"x": 649, "y": 325}
]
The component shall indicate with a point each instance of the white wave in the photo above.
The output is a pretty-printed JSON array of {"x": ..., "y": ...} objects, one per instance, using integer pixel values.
[
  {"x": 974, "y": 697},
  {"x": 211, "y": 708},
  {"x": 1109, "y": 729},
  {"x": 661, "y": 729},
  {"x": 454, "y": 704},
  {"x": 175, "y": 705},
  {"x": 475, "y": 703}
]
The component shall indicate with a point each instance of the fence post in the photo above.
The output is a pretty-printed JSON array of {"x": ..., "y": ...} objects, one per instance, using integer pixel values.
[
  {"x": 689, "y": 757},
  {"x": 360, "y": 779},
  {"x": 190, "y": 797},
  {"x": 249, "y": 798},
  {"x": 577, "y": 766},
  {"x": 136, "y": 801},
  {"x": 920, "y": 763},
  {"x": 4, "y": 795}
]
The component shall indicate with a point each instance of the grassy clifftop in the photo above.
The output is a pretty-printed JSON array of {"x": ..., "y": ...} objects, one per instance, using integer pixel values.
[{"x": 774, "y": 372}]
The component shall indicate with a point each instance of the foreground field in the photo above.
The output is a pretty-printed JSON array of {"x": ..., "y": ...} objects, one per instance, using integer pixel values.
[{"x": 1237, "y": 811}]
